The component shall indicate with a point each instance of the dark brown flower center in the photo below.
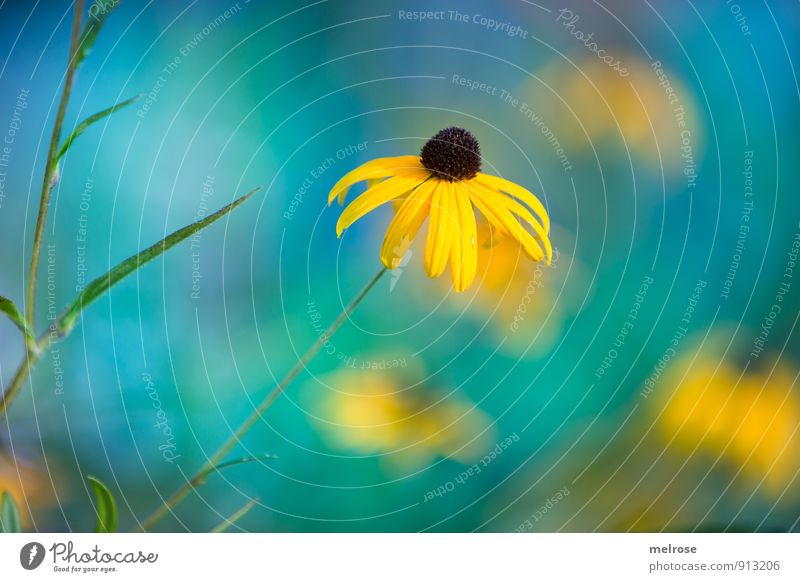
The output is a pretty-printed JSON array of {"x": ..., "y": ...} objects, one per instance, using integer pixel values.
[{"x": 452, "y": 154}]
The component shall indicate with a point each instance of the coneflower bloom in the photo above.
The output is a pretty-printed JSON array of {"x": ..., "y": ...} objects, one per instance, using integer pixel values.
[{"x": 445, "y": 183}]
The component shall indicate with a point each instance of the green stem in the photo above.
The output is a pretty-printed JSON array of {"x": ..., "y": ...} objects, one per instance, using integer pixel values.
[
  {"x": 51, "y": 166},
  {"x": 236, "y": 437},
  {"x": 235, "y": 517},
  {"x": 33, "y": 354},
  {"x": 201, "y": 476},
  {"x": 30, "y": 359}
]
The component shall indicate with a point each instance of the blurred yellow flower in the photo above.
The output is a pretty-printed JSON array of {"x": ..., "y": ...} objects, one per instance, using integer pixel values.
[
  {"x": 26, "y": 485},
  {"x": 650, "y": 109},
  {"x": 407, "y": 423},
  {"x": 445, "y": 183},
  {"x": 751, "y": 424}
]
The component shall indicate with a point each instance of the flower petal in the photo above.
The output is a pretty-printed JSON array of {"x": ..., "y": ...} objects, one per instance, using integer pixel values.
[
  {"x": 440, "y": 230},
  {"x": 377, "y": 195},
  {"x": 496, "y": 183},
  {"x": 456, "y": 245},
  {"x": 502, "y": 218},
  {"x": 521, "y": 211},
  {"x": 377, "y": 169},
  {"x": 411, "y": 213},
  {"x": 467, "y": 234}
]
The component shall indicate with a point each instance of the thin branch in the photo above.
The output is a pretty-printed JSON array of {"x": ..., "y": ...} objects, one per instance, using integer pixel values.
[
  {"x": 32, "y": 355},
  {"x": 235, "y": 517},
  {"x": 51, "y": 165},
  {"x": 201, "y": 477}
]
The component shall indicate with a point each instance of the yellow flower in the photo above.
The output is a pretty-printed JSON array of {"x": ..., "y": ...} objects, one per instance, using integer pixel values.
[
  {"x": 646, "y": 113},
  {"x": 408, "y": 424},
  {"x": 445, "y": 183},
  {"x": 26, "y": 485},
  {"x": 751, "y": 420}
]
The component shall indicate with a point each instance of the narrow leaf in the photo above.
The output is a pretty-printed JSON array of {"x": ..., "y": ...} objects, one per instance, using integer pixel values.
[
  {"x": 9, "y": 516},
  {"x": 225, "y": 524},
  {"x": 98, "y": 13},
  {"x": 7, "y": 306},
  {"x": 84, "y": 125},
  {"x": 106, "y": 508},
  {"x": 99, "y": 286}
]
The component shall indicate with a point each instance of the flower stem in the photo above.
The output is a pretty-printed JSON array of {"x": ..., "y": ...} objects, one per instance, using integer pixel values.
[
  {"x": 236, "y": 437},
  {"x": 50, "y": 166}
]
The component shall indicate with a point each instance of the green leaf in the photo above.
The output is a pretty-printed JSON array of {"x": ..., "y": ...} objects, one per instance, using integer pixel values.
[
  {"x": 225, "y": 524},
  {"x": 106, "y": 508},
  {"x": 98, "y": 13},
  {"x": 7, "y": 306},
  {"x": 9, "y": 516},
  {"x": 99, "y": 286},
  {"x": 84, "y": 125}
]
